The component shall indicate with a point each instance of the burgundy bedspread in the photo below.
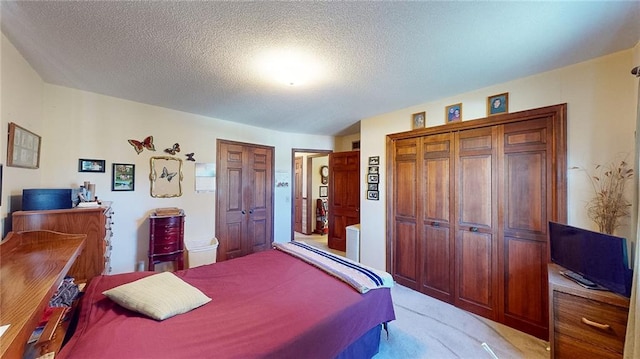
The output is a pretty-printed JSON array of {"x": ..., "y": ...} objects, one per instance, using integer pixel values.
[{"x": 264, "y": 305}]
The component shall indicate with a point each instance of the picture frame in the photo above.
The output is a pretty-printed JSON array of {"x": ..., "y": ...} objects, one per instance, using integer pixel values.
[
  {"x": 324, "y": 191},
  {"x": 123, "y": 177},
  {"x": 372, "y": 186},
  {"x": 373, "y": 178},
  {"x": 90, "y": 165},
  {"x": 374, "y": 169},
  {"x": 373, "y": 195},
  {"x": 23, "y": 147},
  {"x": 418, "y": 120},
  {"x": 453, "y": 113},
  {"x": 166, "y": 176},
  {"x": 374, "y": 160},
  {"x": 498, "y": 104}
]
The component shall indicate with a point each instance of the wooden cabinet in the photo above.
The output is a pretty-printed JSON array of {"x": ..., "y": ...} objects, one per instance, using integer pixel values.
[
  {"x": 469, "y": 210},
  {"x": 166, "y": 239},
  {"x": 94, "y": 222},
  {"x": 585, "y": 323},
  {"x": 26, "y": 290},
  {"x": 244, "y": 199}
]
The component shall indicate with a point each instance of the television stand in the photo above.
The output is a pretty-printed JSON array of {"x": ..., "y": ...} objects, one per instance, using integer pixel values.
[{"x": 578, "y": 278}]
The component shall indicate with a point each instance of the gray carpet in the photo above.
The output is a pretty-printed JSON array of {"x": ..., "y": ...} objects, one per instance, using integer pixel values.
[{"x": 428, "y": 328}]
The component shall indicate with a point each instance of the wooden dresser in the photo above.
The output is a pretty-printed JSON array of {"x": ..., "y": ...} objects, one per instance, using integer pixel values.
[
  {"x": 166, "y": 239},
  {"x": 32, "y": 266},
  {"x": 584, "y": 323},
  {"x": 94, "y": 222}
]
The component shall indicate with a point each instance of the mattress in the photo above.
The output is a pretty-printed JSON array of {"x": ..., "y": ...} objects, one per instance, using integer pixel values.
[{"x": 264, "y": 305}]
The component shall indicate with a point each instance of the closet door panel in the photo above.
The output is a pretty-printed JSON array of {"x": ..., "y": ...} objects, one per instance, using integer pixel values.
[
  {"x": 527, "y": 210},
  {"x": 476, "y": 227},
  {"x": 405, "y": 214},
  {"x": 437, "y": 243},
  {"x": 405, "y": 265},
  {"x": 475, "y": 275},
  {"x": 526, "y": 263},
  {"x": 436, "y": 263}
]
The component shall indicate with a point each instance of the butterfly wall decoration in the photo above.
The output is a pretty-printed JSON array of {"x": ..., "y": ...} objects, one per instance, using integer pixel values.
[
  {"x": 190, "y": 156},
  {"x": 168, "y": 175},
  {"x": 173, "y": 150},
  {"x": 141, "y": 145}
]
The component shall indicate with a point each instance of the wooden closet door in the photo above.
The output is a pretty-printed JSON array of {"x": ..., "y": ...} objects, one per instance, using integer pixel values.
[
  {"x": 437, "y": 240},
  {"x": 476, "y": 226},
  {"x": 258, "y": 199},
  {"x": 406, "y": 194},
  {"x": 527, "y": 186},
  {"x": 244, "y": 197}
]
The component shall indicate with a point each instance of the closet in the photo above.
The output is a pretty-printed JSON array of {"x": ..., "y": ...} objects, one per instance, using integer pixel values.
[
  {"x": 244, "y": 199},
  {"x": 469, "y": 205}
]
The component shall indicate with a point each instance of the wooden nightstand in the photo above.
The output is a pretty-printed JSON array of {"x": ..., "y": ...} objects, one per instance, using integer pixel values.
[
  {"x": 166, "y": 239},
  {"x": 584, "y": 323}
]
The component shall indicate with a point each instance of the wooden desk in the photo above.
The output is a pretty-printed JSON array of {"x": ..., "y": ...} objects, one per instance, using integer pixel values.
[
  {"x": 584, "y": 323},
  {"x": 32, "y": 266}
]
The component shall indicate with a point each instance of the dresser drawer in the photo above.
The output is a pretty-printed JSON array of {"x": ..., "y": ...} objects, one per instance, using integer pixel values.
[
  {"x": 166, "y": 248},
  {"x": 589, "y": 322},
  {"x": 572, "y": 348}
]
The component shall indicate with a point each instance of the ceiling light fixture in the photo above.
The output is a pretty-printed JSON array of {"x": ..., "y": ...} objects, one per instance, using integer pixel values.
[{"x": 290, "y": 67}]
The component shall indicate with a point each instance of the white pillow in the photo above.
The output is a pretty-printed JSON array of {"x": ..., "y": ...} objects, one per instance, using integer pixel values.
[{"x": 159, "y": 296}]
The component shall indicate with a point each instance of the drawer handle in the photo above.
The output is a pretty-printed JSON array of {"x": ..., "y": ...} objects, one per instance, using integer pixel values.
[
  {"x": 435, "y": 224},
  {"x": 473, "y": 229},
  {"x": 595, "y": 324}
]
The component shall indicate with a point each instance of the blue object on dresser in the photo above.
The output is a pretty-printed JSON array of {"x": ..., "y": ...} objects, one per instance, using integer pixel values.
[{"x": 37, "y": 199}]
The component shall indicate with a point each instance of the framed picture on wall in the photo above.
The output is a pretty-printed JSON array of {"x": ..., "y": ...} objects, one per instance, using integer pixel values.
[
  {"x": 453, "y": 113},
  {"x": 374, "y": 160},
  {"x": 87, "y": 165},
  {"x": 166, "y": 177},
  {"x": 418, "y": 120},
  {"x": 23, "y": 147},
  {"x": 123, "y": 177},
  {"x": 373, "y": 178},
  {"x": 324, "y": 191},
  {"x": 373, "y": 195},
  {"x": 497, "y": 104}
]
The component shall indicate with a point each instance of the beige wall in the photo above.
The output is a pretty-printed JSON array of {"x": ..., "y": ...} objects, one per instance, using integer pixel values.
[
  {"x": 77, "y": 124},
  {"x": 21, "y": 102},
  {"x": 601, "y": 96}
]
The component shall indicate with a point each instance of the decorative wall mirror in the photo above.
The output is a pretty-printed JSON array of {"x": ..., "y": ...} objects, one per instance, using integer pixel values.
[{"x": 166, "y": 177}]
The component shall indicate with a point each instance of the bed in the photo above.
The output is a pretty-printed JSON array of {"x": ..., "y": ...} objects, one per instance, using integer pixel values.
[{"x": 269, "y": 304}]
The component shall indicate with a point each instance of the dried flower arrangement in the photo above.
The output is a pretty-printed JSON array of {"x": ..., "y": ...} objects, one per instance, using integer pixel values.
[{"x": 609, "y": 204}]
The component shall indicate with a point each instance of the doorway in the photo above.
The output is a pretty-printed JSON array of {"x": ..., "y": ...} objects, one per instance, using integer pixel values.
[{"x": 309, "y": 191}]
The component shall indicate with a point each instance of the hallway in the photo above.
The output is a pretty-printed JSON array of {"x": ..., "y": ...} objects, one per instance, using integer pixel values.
[{"x": 318, "y": 241}]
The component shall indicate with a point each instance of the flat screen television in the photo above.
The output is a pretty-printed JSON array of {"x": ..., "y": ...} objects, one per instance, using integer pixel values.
[{"x": 600, "y": 258}]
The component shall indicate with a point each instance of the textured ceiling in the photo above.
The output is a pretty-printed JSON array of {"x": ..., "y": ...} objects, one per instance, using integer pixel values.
[{"x": 377, "y": 57}]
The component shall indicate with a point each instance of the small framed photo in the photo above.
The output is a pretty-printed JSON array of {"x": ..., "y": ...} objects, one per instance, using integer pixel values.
[
  {"x": 373, "y": 178},
  {"x": 123, "y": 177},
  {"x": 453, "y": 113},
  {"x": 324, "y": 191},
  {"x": 87, "y": 165},
  {"x": 497, "y": 104},
  {"x": 418, "y": 120},
  {"x": 372, "y": 186},
  {"x": 374, "y": 160},
  {"x": 373, "y": 195},
  {"x": 373, "y": 169}
]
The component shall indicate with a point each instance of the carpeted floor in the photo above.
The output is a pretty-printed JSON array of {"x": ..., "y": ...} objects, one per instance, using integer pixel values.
[{"x": 428, "y": 328}]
